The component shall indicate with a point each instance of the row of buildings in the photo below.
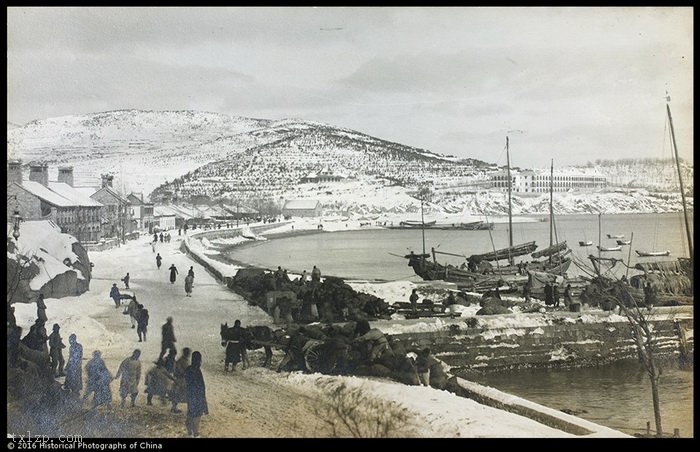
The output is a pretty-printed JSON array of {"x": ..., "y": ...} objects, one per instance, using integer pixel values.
[
  {"x": 541, "y": 181},
  {"x": 93, "y": 213}
]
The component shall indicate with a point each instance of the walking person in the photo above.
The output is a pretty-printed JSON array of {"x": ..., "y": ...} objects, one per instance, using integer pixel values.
[
  {"x": 115, "y": 295},
  {"x": 98, "y": 380},
  {"x": 74, "y": 369},
  {"x": 161, "y": 237},
  {"x": 179, "y": 391},
  {"x": 125, "y": 279},
  {"x": 555, "y": 295},
  {"x": 41, "y": 309},
  {"x": 190, "y": 272},
  {"x": 141, "y": 322},
  {"x": 234, "y": 344},
  {"x": 132, "y": 310},
  {"x": 158, "y": 260},
  {"x": 568, "y": 299},
  {"x": 173, "y": 273},
  {"x": 315, "y": 274},
  {"x": 158, "y": 383},
  {"x": 56, "y": 352},
  {"x": 167, "y": 338},
  {"x": 548, "y": 295},
  {"x": 130, "y": 372},
  {"x": 189, "y": 280},
  {"x": 196, "y": 395}
]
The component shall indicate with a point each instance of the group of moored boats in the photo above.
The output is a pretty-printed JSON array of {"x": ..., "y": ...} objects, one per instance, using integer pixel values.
[
  {"x": 619, "y": 240},
  {"x": 471, "y": 226}
]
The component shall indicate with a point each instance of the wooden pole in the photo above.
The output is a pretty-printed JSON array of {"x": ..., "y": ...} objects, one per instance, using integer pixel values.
[
  {"x": 680, "y": 181},
  {"x": 629, "y": 255},
  {"x": 599, "y": 239},
  {"x": 510, "y": 209}
]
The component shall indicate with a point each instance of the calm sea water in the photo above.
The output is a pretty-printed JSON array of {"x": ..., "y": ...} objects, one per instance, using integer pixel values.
[
  {"x": 369, "y": 254},
  {"x": 617, "y": 395}
]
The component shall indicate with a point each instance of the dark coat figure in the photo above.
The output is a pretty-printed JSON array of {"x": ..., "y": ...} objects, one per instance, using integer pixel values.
[
  {"x": 196, "y": 395},
  {"x": 115, "y": 295},
  {"x": 158, "y": 260},
  {"x": 169, "y": 361},
  {"x": 234, "y": 343},
  {"x": 555, "y": 295},
  {"x": 74, "y": 366},
  {"x": 130, "y": 372},
  {"x": 155, "y": 237},
  {"x": 133, "y": 311},
  {"x": 41, "y": 309},
  {"x": 414, "y": 301},
  {"x": 11, "y": 320},
  {"x": 315, "y": 274},
  {"x": 167, "y": 341},
  {"x": 568, "y": 300},
  {"x": 173, "y": 274},
  {"x": 189, "y": 282},
  {"x": 142, "y": 322},
  {"x": 98, "y": 380},
  {"x": 190, "y": 272},
  {"x": 56, "y": 347},
  {"x": 161, "y": 237},
  {"x": 36, "y": 338},
  {"x": 548, "y": 295},
  {"x": 158, "y": 383},
  {"x": 14, "y": 336},
  {"x": 125, "y": 279},
  {"x": 179, "y": 389}
]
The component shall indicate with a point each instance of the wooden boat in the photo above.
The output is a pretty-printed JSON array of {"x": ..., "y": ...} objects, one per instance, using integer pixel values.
[
  {"x": 610, "y": 248},
  {"x": 616, "y": 236},
  {"x": 506, "y": 253},
  {"x": 417, "y": 224},
  {"x": 550, "y": 250},
  {"x": 652, "y": 253},
  {"x": 624, "y": 242},
  {"x": 586, "y": 243}
]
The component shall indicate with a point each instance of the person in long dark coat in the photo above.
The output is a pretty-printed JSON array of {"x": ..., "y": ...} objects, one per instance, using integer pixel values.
[
  {"x": 74, "y": 369},
  {"x": 41, "y": 309},
  {"x": 130, "y": 372},
  {"x": 56, "y": 347},
  {"x": 548, "y": 295},
  {"x": 168, "y": 340},
  {"x": 158, "y": 260},
  {"x": 173, "y": 274},
  {"x": 233, "y": 346},
  {"x": 115, "y": 295},
  {"x": 196, "y": 395},
  {"x": 141, "y": 322},
  {"x": 555, "y": 295},
  {"x": 179, "y": 391},
  {"x": 98, "y": 380}
]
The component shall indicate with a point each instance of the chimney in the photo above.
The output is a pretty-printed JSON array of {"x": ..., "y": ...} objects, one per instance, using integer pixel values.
[
  {"x": 14, "y": 171},
  {"x": 107, "y": 180},
  {"x": 39, "y": 172},
  {"x": 65, "y": 175}
]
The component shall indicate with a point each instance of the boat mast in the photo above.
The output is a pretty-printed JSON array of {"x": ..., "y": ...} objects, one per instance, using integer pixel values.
[
  {"x": 680, "y": 181},
  {"x": 551, "y": 211},
  {"x": 599, "y": 238},
  {"x": 510, "y": 208}
]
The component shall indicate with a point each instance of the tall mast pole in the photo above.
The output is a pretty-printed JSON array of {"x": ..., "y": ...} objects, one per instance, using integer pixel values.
[
  {"x": 510, "y": 208},
  {"x": 599, "y": 235},
  {"x": 680, "y": 181},
  {"x": 551, "y": 211}
]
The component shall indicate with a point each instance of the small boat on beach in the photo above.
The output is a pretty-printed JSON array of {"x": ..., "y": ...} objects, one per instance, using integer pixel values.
[
  {"x": 416, "y": 224},
  {"x": 624, "y": 242},
  {"x": 585, "y": 243},
  {"x": 652, "y": 253},
  {"x": 616, "y": 236},
  {"x": 610, "y": 248}
]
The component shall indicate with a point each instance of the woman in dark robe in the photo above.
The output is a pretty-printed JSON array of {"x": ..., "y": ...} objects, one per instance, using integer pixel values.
[
  {"x": 196, "y": 395},
  {"x": 173, "y": 273},
  {"x": 74, "y": 369},
  {"x": 233, "y": 345}
]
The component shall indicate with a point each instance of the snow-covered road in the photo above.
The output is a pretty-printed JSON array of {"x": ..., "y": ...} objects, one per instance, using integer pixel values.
[{"x": 248, "y": 403}]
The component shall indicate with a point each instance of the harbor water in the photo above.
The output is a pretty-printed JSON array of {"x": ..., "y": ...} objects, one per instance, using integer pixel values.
[{"x": 616, "y": 395}]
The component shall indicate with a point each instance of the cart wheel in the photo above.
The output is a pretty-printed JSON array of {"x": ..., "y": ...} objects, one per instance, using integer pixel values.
[{"x": 313, "y": 360}]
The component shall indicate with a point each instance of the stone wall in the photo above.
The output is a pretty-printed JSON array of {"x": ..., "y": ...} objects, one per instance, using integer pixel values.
[{"x": 565, "y": 345}]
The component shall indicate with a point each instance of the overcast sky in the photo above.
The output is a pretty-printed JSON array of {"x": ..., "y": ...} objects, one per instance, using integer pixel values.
[{"x": 573, "y": 84}]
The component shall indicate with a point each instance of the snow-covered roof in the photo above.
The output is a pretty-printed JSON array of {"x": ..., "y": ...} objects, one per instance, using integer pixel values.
[
  {"x": 164, "y": 211},
  {"x": 87, "y": 191},
  {"x": 59, "y": 194},
  {"x": 44, "y": 242},
  {"x": 300, "y": 204},
  {"x": 113, "y": 193},
  {"x": 73, "y": 195}
]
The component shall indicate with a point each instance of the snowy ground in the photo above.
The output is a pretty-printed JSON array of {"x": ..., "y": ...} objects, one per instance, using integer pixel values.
[{"x": 248, "y": 403}]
